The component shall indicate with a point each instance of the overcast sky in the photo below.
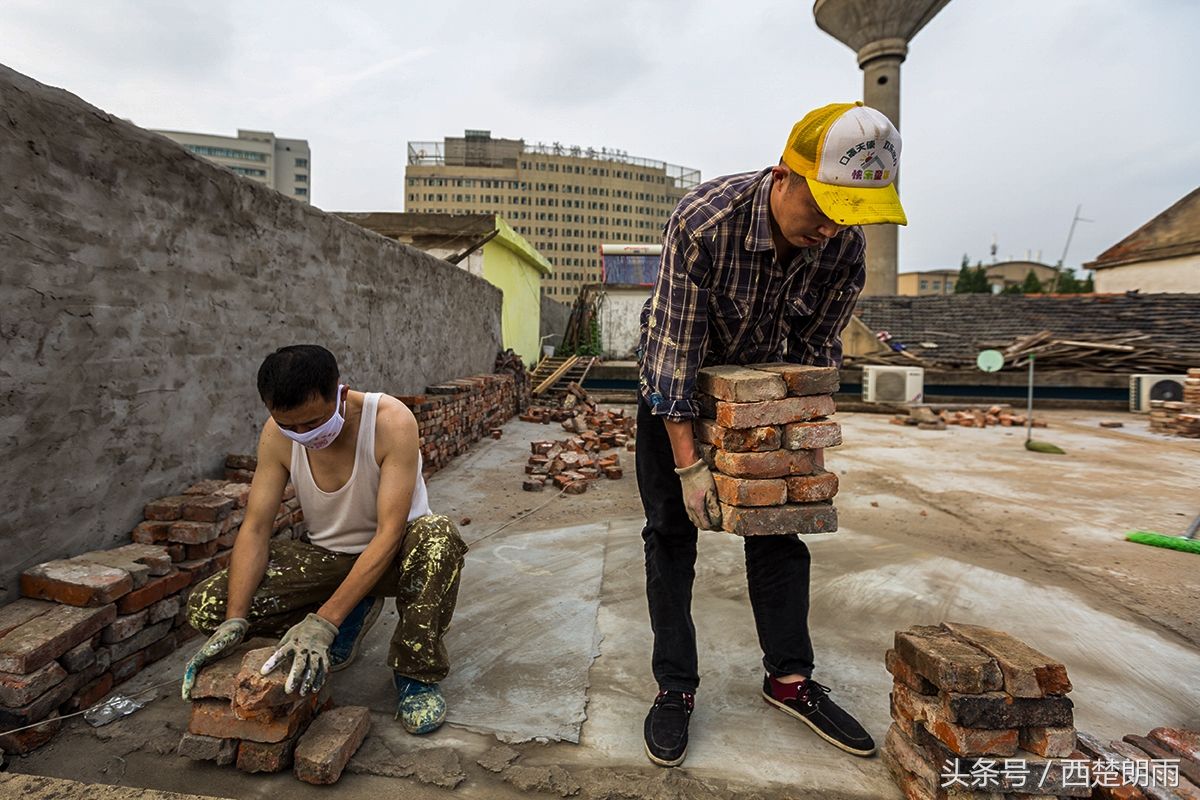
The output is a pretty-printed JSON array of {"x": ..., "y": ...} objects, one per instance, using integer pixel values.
[{"x": 1013, "y": 111}]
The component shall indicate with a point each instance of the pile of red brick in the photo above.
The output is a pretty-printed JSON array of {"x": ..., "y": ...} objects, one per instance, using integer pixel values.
[
  {"x": 763, "y": 432},
  {"x": 965, "y": 699},
  {"x": 1179, "y": 418},
  {"x": 547, "y": 414},
  {"x": 1118, "y": 764},
  {"x": 570, "y": 464},
  {"x": 452, "y": 416},
  {"x": 928, "y": 419},
  {"x": 88, "y": 623},
  {"x": 242, "y": 717}
]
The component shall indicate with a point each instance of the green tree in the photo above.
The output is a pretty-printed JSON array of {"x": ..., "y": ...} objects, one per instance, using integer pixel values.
[
  {"x": 1014, "y": 289},
  {"x": 971, "y": 280},
  {"x": 1067, "y": 282},
  {"x": 1031, "y": 285}
]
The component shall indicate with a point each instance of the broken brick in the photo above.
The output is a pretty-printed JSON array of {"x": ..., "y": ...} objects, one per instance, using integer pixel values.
[
  {"x": 329, "y": 743},
  {"x": 207, "y": 748},
  {"x": 908, "y": 676},
  {"x": 18, "y": 690},
  {"x": 165, "y": 508},
  {"x": 750, "y": 492},
  {"x": 1027, "y": 673},
  {"x": 156, "y": 589},
  {"x": 792, "y": 518},
  {"x": 771, "y": 464},
  {"x": 768, "y": 412},
  {"x": 254, "y": 691},
  {"x": 804, "y": 380},
  {"x": 740, "y": 384},
  {"x": 947, "y": 662},
  {"x": 44, "y": 638},
  {"x": 218, "y": 679},
  {"x": 812, "y": 435},
  {"x": 578, "y": 486},
  {"x": 811, "y": 488},
  {"x": 533, "y": 485},
  {"x": 265, "y": 757},
  {"x": 192, "y": 532},
  {"x": 208, "y": 508},
  {"x": 75, "y": 583},
  {"x": 738, "y": 440}
]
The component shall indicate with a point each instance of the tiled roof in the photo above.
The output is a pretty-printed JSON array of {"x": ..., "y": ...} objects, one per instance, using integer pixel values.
[
  {"x": 1173, "y": 233},
  {"x": 962, "y": 324}
]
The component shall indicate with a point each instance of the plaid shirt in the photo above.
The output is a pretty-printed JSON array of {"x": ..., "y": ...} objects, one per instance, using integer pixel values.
[{"x": 722, "y": 298}]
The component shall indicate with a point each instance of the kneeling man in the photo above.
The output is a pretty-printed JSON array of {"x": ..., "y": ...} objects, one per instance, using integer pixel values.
[{"x": 355, "y": 462}]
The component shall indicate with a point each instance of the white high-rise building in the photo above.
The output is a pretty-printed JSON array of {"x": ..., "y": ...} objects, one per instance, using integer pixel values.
[{"x": 283, "y": 164}]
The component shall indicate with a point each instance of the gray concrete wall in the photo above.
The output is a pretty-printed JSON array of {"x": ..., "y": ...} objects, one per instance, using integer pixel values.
[
  {"x": 554, "y": 320},
  {"x": 620, "y": 321},
  {"x": 142, "y": 286}
]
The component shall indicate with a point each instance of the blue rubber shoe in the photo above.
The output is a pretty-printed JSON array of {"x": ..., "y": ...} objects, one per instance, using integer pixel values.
[
  {"x": 352, "y": 631},
  {"x": 420, "y": 707}
]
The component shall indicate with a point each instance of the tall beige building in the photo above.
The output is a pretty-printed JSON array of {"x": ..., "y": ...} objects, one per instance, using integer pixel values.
[
  {"x": 567, "y": 201},
  {"x": 283, "y": 164}
]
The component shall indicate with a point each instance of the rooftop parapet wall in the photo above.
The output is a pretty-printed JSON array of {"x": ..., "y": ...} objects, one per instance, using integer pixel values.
[{"x": 142, "y": 287}]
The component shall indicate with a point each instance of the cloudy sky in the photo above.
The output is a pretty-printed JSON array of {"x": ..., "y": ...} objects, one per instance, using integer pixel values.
[{"x": 1013, "y": 111}]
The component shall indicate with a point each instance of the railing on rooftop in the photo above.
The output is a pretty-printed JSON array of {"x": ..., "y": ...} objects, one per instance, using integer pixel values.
[{"x": 433, "y": 154}]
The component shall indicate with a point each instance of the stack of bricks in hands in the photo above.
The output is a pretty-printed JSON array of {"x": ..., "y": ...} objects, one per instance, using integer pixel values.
[
  {"x": 763, "y": 430},
  {"x": 1165, "y": 762},
  {"x": 570, "y": 464},
  {"x": 85, "y": 625},
  {"x": 240, "y": 716},
  {"x": 966, "y": 702},
  {"x": 452, "y": 416}
]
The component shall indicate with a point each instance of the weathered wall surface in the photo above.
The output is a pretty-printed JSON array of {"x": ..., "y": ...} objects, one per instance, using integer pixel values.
[
  {"x": 553, "y": 321},
  {"x": 141, "y": 289},
  {"x": 1181, "y": 274},
  {"x": 621, "y": 321}
]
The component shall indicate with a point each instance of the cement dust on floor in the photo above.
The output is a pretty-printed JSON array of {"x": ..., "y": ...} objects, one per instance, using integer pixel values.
[{"x": 963, "y": 524}]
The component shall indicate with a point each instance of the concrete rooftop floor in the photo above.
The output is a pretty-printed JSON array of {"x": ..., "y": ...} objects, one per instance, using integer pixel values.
[{"x": 551, "y": 640}]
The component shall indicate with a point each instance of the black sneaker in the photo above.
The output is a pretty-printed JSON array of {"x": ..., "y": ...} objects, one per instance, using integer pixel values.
[
  {"x": 808, "y": 701},
  {"x": 666, "y": 729}
]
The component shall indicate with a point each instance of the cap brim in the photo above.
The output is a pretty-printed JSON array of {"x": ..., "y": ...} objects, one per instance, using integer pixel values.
[{"x": 852, "y": 205}]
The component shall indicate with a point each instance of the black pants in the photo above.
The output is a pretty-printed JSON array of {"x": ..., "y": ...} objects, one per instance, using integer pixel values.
[{"x": 776, "y": 569}]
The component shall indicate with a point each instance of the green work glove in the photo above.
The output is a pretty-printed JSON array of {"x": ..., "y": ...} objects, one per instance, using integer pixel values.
[
  {"x": 700, "y": 496},
  {"x": 228, "y": 635},
  {"x": 307, "y": 645}
]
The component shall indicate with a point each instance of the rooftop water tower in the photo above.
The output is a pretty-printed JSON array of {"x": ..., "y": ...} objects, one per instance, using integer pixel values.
[{"x": 879, "y": 32}]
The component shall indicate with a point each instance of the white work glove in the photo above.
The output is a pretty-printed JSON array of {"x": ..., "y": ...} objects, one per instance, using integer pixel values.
[
  {"x": 228, "y": 635},
  {"x": 700, "y": 496},
  {"x": 307, "y": 645}
]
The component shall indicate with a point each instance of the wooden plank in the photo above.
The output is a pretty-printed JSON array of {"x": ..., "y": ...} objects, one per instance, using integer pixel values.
[{"x": 550, "y": 381}]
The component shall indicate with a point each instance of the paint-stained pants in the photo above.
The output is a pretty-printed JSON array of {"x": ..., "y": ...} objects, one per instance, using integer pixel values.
[{"x": 300, "y": 577}]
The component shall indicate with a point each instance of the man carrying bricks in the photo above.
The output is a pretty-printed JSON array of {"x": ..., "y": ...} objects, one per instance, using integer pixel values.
[
  {"x": 356, "y": 467},
  {"x": 759, "y": 267}
]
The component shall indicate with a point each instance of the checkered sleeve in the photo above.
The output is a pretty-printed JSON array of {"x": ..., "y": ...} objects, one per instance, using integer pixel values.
[
  {"x": 819, "y": 342},
  {"x": 675, "y": 333}
]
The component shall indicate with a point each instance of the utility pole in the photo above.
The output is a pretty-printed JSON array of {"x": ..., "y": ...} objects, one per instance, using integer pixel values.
[{"x": 1063, "y": 261}]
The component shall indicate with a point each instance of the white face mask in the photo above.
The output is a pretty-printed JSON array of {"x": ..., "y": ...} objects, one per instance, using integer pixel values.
[{"x": 323, "y": 435}]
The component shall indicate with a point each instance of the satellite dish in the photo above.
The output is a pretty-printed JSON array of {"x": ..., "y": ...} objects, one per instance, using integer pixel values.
[{"x": 990, "y": 360}]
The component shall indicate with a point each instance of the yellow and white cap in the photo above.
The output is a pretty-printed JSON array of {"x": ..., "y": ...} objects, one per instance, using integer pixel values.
[{"x": 850, "y": 155}]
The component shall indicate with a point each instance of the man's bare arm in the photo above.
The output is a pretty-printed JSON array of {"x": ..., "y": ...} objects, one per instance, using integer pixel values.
[
  {"x": 683, "y": 442},
  {"x": 397, "y": 441},
  {"x": 251, "y": 549}
]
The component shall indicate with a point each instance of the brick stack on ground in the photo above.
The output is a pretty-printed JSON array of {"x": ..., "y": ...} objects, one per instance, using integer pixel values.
[
  {"x": 977, "y": 695},
  {"x": 930, "y": 419},
  {"x": 91, "y": 622},
  {"x": 1179, "y": 417},
  {"x": 1120, "y": 759},
  {"x": 760, "y": 431},
  {"x": 452, "y": 416},
  {"x": 244, "y": 718},
  {"x": 570, "y": 464}
]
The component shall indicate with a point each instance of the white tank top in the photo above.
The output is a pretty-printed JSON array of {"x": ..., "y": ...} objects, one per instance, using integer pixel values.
[{"x": 346, "y": 520}]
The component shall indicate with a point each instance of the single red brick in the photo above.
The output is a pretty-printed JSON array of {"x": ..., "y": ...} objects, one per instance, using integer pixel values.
[
  {"x": 740, "y": 384},
  {"x": 206, "y": 550},
  {"x": 265, "y": 757},
  {"x": 576, "y": 487},
  {"x": 771, "y": 464},
  {"x": 124, "y": 626},
  {"x": 165, "y": 508},
  {"x": 18, "y": 612},
  {"x": 613, "y": 473},
  {"x": 153, "y": 591},
  {"x": 208, "y": 486},
  {"x": 216, "y": 718},
  {"x": 75, "y": 582},
  {"x": 18, "y": 690},
  {"x": 750, "y": 492},
  {"x": 191, "y": 532},
  {"x": 330, "y": 742},
  {"x": 46, "y": 637},
  {"x": 812, "y": 435},
  {"x": 1027, "y": 673},
  {"x": 208, "y": 507},
  {"x": 768, "y": 412},
  {"x": 151, "y": 532},
  {"x": 803, "y": 380},
  {"x": 533, "y": 485},
  {"x": 792, "y": 518},
  {"x": 812, "y": 488},
  {"x": 738, "y": 440}
]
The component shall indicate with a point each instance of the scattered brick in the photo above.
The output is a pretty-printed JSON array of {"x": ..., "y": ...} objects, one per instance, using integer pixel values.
[
  {"x": 207, "y": 748},
  {"x": 1027, "y": 673},
  {"x": 533, "y": 485},
  {"x": 330, "y": 742},
  {"x": 741, "y": 384},
  {"x": 18, "y": 690},
  {"x": 155, "y": 590},
  {"x": 46, "y": 637},
  {"x": 192, "y": 532},
  {"x": 812, "y": 435},
  {"x": 792, "y": 518},
  {"x": 769, "y": 412},
  {"x": 811, "y": 488},
  {"x": 803, "y": 380},
  {"x": 264, "y": 757},
  {"x": 750, "y": 492},
  {"x": 75, "y": 583}
]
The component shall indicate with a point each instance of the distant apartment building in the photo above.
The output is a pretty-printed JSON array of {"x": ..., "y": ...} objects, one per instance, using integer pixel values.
[
  {"x": 566, "y": 201},
  {"x": 933, "y": 281},
  {"x": 1001, "y": 275},
  {"x": 283, "y": 164}
]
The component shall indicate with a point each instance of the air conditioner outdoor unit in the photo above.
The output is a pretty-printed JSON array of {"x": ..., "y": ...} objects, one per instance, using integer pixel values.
[
  {"x": 893, "y": 384},
  {"x": 1146, "y": 387}
]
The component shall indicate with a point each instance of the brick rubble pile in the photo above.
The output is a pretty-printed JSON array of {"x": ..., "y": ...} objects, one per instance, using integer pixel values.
[
  {"x": 570, "y": 464},
  {"x": 1001, "y": 415},
  {"x": 241, "y": 717},
  {"x": 1179, "y": 418},
  {"x": 88, "y": 623},
  {"x": 964, "y": 700},
  {"x": 451, "y": 416},
  {"x": 762, "y": 431}
]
